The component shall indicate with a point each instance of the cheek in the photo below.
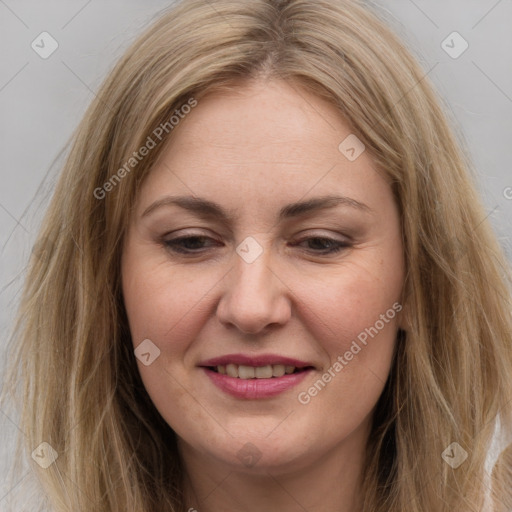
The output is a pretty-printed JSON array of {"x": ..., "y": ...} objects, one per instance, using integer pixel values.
[
  {"x": 163, "y": 301},
  {"x": 166, "y": 305},
  {"x": 354, "y": 320},
  {"x": 350, "y": 305}
]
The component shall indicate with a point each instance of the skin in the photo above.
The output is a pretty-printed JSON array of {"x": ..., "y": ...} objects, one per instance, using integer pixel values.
[{"x": 254, "y": 151}]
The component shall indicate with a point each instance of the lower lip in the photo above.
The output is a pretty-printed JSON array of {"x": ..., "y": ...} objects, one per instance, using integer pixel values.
[{"x": 251, "y": 389}]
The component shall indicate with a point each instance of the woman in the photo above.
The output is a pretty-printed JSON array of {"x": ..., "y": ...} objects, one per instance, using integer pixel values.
[{"x": 265, "y": 281}]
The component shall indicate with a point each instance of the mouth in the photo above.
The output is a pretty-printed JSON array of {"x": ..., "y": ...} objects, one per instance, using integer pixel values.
[
  {"x": 252, "y": 377},
  {"x": 269, "y": 371}
]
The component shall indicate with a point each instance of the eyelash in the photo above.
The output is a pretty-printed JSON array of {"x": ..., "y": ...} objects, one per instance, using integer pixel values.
[{"x": 173, "y": 244}]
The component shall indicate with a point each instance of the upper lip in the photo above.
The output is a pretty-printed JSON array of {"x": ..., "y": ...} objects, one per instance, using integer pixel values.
[{"x": 259, "y": 360}]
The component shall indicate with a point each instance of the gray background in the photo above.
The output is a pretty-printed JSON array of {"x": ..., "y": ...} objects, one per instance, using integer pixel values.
[{"x": 42, "y": 101}]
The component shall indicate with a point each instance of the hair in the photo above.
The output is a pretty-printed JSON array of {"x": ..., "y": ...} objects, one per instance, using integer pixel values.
[{"x": 72, "y": 368}]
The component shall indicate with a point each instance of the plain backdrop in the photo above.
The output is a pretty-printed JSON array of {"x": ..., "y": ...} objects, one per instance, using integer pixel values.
[{"x": 42, "y": 101}]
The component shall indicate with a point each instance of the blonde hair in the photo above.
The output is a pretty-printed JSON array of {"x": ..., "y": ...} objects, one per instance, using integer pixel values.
[{"x": 72, "y": 365}]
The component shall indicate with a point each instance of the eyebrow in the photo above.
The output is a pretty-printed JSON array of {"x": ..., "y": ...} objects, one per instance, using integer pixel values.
[{"x": 209, "y": 209}]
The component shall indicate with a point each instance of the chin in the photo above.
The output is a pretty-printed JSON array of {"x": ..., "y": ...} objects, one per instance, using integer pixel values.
[{"x": 260, "y": 453}]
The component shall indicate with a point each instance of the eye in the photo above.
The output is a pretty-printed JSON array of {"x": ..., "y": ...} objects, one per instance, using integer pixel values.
[
  {"x": 325, "y": 245},
  {"x": 195, "y": 244},
  {"x": 187, "y": 244}
]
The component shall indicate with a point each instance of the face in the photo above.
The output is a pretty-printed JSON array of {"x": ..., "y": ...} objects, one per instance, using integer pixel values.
[{"x": 262, "y": 276}]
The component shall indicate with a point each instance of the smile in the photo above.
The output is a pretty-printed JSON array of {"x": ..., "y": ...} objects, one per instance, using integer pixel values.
[
  {"x": 268, "y": 371},
  {"x": 249, "y": 377}
]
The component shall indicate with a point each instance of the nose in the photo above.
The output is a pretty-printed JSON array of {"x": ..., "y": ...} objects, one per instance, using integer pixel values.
[{"x": 255, "y": 297}]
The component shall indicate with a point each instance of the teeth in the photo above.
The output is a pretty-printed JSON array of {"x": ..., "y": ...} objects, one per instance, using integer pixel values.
[
  {"x": 255, "y": 372},
  {"x": 263, "y": 372},
  {"x": 246, "y": 372},
  {"x": 232, "y": 370},
  {"x": 278, "y": 370}
]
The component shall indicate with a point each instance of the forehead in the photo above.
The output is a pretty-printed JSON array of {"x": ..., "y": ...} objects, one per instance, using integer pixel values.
[
  {"x": 260, "y": 141},
  {"x": 268, "y": 116}
]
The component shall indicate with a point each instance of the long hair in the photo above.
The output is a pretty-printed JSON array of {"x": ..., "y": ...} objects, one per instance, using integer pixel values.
[{"x": 72, "y": 367}]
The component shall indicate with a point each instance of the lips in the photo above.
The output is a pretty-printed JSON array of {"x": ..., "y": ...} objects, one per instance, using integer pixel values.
[{"x": 251, "y": 377}]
